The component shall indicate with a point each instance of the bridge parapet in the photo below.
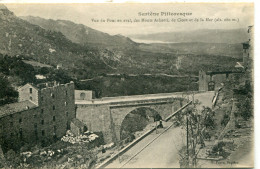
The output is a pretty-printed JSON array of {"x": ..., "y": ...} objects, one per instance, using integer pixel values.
[{"x": 135, "y": 98}]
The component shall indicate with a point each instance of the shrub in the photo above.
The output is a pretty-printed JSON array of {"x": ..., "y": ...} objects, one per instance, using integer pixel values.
[
  {"x": 218, "y": 150},
  {"x": 225, "y": 120}
]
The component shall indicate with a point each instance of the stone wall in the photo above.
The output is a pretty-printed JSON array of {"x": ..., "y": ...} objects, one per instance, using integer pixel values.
[
  {"x": 83, "y": 94},
  {"x": 203, "y": 81},
  {"x": 97, "y": 118},
  {"x": 58, "y": 106}
]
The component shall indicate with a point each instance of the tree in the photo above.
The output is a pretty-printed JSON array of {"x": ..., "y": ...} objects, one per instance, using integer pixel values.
[
  {"x": 7, "y": 92},
  {"x": 196, "y": 125}
]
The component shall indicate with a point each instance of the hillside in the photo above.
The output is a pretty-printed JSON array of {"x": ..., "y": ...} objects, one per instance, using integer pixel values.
[
  {"x": 81, "y": 34},
  {"x": 20, "y": 38},
  {"x": 199, "y": 48},
  {"x": 125, "y": 56},
  {"x": 203, "y": 35}
]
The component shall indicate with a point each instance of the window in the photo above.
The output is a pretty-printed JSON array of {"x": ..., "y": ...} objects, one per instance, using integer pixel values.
[
  {"x": 20, "y": 132},
  {"x": 66, "y": 92},
  {"x": 82, "y": 96},
  {"x": 67, "y": 114},
  {"x": 41, "y": 98},
  {"x": 34, "y": 116},
  {"x": 41, "y": 111},
  {"x": 43, "y": 133},
  {"x": 30, "y": 90},
  {"x": 20, "y": 120},
  {"x": 42, "y": 122},
  {"x": 53, "y": 107},
  {"x": 36, "y": 135},
  {"x": 53, "y": 118},
  {"x": 54, "y": 129},
  {"x": 52, "y": 95},
  {"x": 66, "y": 103},
  {"x": 30, "y": 97},
  {"x": 68, "y": 125}
]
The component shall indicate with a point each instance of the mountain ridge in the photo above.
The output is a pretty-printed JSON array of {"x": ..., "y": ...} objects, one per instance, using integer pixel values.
[
  {"x": 230, "y": 36},
  {"x": 81, "y": 34}
]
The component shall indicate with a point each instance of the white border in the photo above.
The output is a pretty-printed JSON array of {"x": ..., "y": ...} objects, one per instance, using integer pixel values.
[{"x": 256, "y": 56}]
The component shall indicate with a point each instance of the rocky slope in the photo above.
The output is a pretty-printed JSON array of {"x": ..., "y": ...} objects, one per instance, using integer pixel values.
[
  {"x": 21, "y": 38},
  {"x": 81, "y": 34}
]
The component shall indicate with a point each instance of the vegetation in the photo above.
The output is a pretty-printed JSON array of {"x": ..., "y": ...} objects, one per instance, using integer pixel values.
[
  {"x": 7, "y": 92},
  {"x": 198, "y": 125},
  {"x": 105, "y": 86},
  {"x": 218, "y": 150}
]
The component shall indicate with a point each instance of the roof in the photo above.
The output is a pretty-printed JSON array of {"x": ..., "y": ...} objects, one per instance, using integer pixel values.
[
  {"x": 78, "y": 123},
  {"x": 12, "y": 108},
  {"x": 28, "y": 84}
]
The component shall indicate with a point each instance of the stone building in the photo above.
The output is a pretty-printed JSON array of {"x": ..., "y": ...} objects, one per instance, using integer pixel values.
[
  {"x": 42, "y": 115},
  {"x": 84, "y": 94},
  {"x": 248, "y": 49}
]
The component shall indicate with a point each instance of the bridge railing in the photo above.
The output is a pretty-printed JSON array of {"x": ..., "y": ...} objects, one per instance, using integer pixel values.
[
  {"x": 176, "y": 112},
  {"x": 146, "y": 95}
]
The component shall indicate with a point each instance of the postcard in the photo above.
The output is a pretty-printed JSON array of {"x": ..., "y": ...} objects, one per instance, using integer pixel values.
[{"x": 127, "y": 85}]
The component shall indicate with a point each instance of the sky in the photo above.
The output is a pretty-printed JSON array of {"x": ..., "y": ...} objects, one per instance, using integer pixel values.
[{"x": 84, "y": 13}]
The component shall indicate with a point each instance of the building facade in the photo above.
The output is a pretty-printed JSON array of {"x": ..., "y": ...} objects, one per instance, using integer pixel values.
[
  {"x": 84, "y": 94},
  {"x": 42, "y": 115},
  {"x": 248, "y": 49}
]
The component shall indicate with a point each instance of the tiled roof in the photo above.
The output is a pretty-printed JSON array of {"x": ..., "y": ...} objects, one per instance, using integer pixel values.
[{"x": 16, "y": 107}]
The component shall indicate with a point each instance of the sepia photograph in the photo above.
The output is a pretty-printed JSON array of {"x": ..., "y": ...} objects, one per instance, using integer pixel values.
[{"x": 127, "y": 85}]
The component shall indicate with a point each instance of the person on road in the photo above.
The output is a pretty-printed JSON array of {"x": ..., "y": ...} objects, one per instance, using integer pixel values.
[{"x": 160, "y": 124}]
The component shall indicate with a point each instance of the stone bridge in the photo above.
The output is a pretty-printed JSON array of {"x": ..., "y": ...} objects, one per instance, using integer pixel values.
[{"x": 107, "y": 114}]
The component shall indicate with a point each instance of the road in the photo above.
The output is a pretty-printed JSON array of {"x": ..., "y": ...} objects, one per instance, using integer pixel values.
[
  {"x": 163, "y": 151},
  {"x": 110, "y": 100}
]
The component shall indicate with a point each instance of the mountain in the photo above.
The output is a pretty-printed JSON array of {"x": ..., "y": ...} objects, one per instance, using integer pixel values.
[
  {"x": 203, "y": 35},
  {"x": 199, "y": 48},
  {"x": 81, "y": 34},
  {"x": 86, "y": 52},
  {"x": 88, "y": 55},
  {"x": 21, "y": 38}
]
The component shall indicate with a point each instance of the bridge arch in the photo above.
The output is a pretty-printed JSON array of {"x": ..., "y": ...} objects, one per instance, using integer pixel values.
[
  {"x": 118, "y": 114},
  {"x": 137, "y": 120}
]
